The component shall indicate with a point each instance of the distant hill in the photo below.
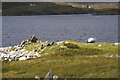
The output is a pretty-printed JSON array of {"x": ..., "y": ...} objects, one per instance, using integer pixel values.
[
  {"x": 55, "y": 8},
  {"x": 100, "y": 5}
]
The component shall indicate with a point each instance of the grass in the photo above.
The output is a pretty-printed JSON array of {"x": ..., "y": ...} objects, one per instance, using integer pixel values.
[{"x": 67, "y": 60}]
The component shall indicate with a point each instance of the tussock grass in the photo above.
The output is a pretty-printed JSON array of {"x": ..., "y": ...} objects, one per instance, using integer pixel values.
[{"x": 73, "y": 46}]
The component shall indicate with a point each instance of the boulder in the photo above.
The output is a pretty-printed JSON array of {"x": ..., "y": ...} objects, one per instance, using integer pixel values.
[
  {"x": 99, "y": 45},
  {"x": 37, "y": 54},
  {"x": 91, "y": 40},
  {"x": 16, "y": 58},
  {"x": 22, "y": 58},
  {"x": 33, "y": 39},
  {"x": 37, "y": 77},
  {"x": 31, "y": 53},
  {"x": 48, "y": 44},
  {"x": 61, "y": 42},
  {"x": 23, "y": 42},
  {"x": 38, "y": 41},
  {"x": 55, "y": 77},
  {"x": 18, "y": 48},
  {"x": 9, "y": 60},
  {"x": 51, "y": 43},
  {"x": 34, "y": 50},
  {"x": 116, "y": 44},
  {"x": 41, "y": 47},
  {"x": 66, "y": 42}
]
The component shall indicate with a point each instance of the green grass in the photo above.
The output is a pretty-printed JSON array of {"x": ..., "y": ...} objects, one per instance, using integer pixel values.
[{"x": 72, "y": 60}]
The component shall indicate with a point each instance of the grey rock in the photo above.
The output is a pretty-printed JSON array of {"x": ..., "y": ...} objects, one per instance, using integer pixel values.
[
  {"x": 33, "y": 39},
  {"x": 23, "y": 42},
  {"x": 37, "y": 77},
  {"x": 55, "y": 77},
  {"x": 48, "y": 44},
  {"x": 41, "y": 47},
  {"x": 49, "y": 76},
  {"x": 51, "y": 43},
  {"x": 116, "y": 44}
]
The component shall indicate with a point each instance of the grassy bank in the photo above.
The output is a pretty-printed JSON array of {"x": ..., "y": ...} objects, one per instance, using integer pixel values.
[
  {"x": 71, "y": 59},
  {"x": 57, "y": 8}
]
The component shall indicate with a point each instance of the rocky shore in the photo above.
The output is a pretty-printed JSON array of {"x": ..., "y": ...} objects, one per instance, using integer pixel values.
[
  {"x": 16, "y": 53},
  {"x": 21, "y": 52}
]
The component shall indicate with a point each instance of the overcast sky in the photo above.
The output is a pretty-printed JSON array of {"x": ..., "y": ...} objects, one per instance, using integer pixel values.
[{"x": 60, "y": 0}]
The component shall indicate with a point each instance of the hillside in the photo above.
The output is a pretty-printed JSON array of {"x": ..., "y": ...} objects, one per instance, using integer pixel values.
[
  {"x": 53, "y": 8},
  {"x": 67, "y": 59}
]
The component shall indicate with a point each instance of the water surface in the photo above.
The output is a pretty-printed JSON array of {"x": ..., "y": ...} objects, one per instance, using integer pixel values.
[{"x": 59, "y": 27}]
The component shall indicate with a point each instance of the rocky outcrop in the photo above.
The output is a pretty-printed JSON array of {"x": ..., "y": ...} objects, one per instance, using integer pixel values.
[
  {"x": 29, "y": 41},
  {"x": 32, "y": 39},
  {"x": 18, "y": 55},
  {"x": 19, "y": 52}
]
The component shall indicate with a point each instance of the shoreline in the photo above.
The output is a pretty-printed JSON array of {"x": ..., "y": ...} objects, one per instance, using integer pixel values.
[
  {"x": 63, "y": 14},
  {"x": 34, "y": 48}
]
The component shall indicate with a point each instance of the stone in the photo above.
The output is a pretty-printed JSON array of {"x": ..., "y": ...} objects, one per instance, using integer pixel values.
[
  {"x": 10, "y": 60},
  {"x": 22, "y": 50},
  {"x": 33, "y": 39},
  {"x": 61, "y": 46},
  {"x": 61, "y": 42},
  {"x": 18, "y": 48},
  {"x": 37, "y": 77},
  {"x": 29, "y": 42},
  {"x": 6, "y": 59},
  {"x": 46, "y": 53},
  {"x": 116, "y": 44},
  {"x": 117, "y": 55},
  {"x": 34, "y": 50},
  {"x": 22, "y": 58},
  {"x": 23, "y": 42},
  {"x": 99, "y": 45},
  {"x": 1, "y": 49},
  {"x": 51, "y": 43},
  {"x": 37, "y": 54},
  {"x": 41, "y": 47},
  {"x": 55, "y": 77},
  {"x": 48, "y": 44},
  {"x": 109, "y": 56},
  {"x": 66, "y": 42},
  {"x": 91, "y": 40},
  {"x": 16, "y": 59},
  {"x": 2, "y": 55},
  {"x": 38, "y": 41},
  {"x": 12, "y": 52},
  {"x": 49, "y": 76},
  {"x": 30, "y": 54}
]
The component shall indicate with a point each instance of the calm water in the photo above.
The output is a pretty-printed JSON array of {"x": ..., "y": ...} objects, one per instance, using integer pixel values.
[{"x": 59, "y": 27}]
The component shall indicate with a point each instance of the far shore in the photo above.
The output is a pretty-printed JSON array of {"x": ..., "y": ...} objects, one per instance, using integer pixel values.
[{"x": 61, "y": 14}]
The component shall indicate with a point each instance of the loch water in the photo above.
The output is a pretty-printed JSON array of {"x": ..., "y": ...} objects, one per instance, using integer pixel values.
[{"x": 59, "y": 27}]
